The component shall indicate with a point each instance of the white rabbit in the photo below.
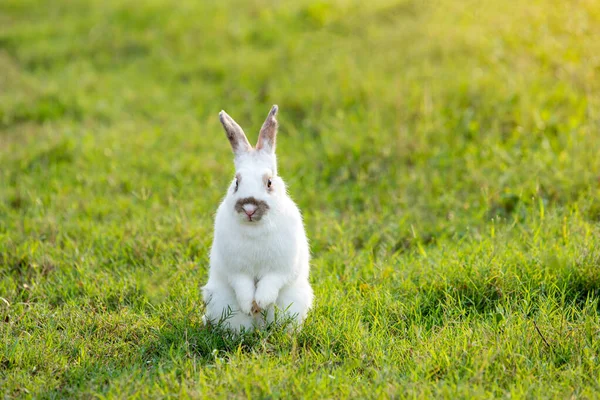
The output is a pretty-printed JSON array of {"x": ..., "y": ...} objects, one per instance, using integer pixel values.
[{"x": 260, "y": 256}]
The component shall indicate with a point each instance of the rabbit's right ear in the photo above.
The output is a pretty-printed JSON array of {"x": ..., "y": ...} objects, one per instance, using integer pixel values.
[
  {"x": 235, "y": 134},
  {"x": 268, "y": 132}
]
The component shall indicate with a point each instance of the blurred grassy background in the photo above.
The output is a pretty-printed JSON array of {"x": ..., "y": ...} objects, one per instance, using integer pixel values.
[{"x": 444, "y": 155}]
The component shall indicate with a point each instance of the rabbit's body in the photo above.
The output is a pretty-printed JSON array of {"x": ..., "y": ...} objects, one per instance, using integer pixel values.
[{"x": 260, "y": 255}]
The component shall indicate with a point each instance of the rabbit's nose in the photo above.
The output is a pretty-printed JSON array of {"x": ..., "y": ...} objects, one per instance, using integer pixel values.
[{"x": 249, "y": 209}]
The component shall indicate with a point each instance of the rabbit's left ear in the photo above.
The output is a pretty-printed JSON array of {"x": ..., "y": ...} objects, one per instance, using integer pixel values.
[
  {"x": 235, "y": 134},
  {"x": 268, "y": 132}
]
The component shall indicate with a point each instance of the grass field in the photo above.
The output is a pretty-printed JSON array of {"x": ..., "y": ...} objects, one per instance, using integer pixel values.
[{"x": 445, "y": 155}]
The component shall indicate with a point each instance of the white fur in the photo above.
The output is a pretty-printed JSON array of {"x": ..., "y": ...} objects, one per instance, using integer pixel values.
[{"x": 265, "y": 261}]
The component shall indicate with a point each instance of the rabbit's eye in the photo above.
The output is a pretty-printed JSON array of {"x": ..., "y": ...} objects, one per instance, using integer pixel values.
[
  {"x": 237, "y": 182},
  {"x": 269, "y": 183}
]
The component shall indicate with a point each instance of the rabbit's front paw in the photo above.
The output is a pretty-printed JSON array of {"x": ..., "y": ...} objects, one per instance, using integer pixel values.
[
  {"x": 255, "y": 308},
  {"x": 246, "y": 307},
  {"x": 265, "y": 297}
]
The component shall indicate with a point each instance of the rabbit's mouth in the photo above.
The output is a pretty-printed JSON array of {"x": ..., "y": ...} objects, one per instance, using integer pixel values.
[{"x": 251, "y": 209}]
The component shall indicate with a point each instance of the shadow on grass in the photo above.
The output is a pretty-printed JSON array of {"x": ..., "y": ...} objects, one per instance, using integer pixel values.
[
  {"x": 168, "y": 348},
  {"x": 188, "y": 338}
]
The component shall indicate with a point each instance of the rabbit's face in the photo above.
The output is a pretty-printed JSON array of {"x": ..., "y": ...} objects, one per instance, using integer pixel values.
[{"x": 256, "y": 186}]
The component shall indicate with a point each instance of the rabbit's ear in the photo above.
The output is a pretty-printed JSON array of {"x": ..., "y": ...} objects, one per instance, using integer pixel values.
[
  {"x": 268, "y": 132},
  {"x": 235, "y": 134}
]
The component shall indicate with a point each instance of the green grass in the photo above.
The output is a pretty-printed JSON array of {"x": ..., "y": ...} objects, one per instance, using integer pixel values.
[{"x": 446, "y": 157}]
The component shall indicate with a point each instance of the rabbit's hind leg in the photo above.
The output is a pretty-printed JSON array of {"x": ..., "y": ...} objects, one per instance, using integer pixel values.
[
  {"x": 222, "y": 305},
  {"x": 296, "y": 299}
]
